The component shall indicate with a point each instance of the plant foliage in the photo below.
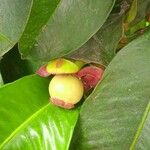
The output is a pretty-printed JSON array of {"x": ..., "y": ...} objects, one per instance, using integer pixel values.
[{"x": 110, "y": 33}]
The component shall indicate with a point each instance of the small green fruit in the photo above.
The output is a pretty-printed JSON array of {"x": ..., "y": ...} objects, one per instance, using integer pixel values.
[
  {"x": 65, "y": 90},
  {"x": 62, "y": 66}
]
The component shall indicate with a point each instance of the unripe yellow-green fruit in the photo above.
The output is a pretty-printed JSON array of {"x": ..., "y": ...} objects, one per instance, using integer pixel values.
[
  {"x": 65, "y": 90},
  {"x": 62, "y": 66}
]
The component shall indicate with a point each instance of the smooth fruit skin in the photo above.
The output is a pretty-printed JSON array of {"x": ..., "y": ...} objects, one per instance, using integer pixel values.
[
  {"x": 62, "y": 66},
  {"x": 66, "y": 90}
]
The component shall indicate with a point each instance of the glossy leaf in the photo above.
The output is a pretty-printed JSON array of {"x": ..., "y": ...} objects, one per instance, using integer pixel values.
[
  {"x": 60, "y": 35},
  {"x": 101, "y": 47},
  {"x": 115, "y": 114},
  {"x": 40, "y": 13},
  {"x": 143, "y": 141},
  {"x": 29, "y": 121},
  {"x": 13, "y": 18}
]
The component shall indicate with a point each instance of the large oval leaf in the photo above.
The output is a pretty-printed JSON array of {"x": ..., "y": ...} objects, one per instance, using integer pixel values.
[
  {"x": 70, "y": 26},
  {"x": 113, "y": 116},
  {"x": 40, "y": 13},
  {"x": 28, "y": 121},
  {"x": 101, "y": 47},
  {"x": 143, "y": 141},
  {"x": 13, "y": 18}
]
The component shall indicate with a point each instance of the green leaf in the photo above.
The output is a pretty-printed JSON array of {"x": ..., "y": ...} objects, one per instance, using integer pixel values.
[
  {"x": 13, "y": 19},
  {"x": 40, "y": 13},
  {"x": 29, "y": 121},
  {"x": 143, "y": 9},
  {"x": 132, "y": 12},
  {"x": 114, "y": 115},
  {"x": 100, "y": 49},
  {"x": 143, "y": 141},
  {"x": 60, "y": 35}
]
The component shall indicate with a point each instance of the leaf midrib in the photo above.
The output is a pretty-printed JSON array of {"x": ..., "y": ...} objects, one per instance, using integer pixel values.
[
  {"x": 27, "y": 121},
  {"x": 5, "y": 38},
  {"x": 141, "y": 125}
]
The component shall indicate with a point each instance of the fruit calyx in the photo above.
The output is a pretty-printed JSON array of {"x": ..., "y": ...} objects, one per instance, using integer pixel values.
[
  {"x": 90, "y": 76},
  {"x": 42, "y": 71},
  {"x": 61, "y": 103}
]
